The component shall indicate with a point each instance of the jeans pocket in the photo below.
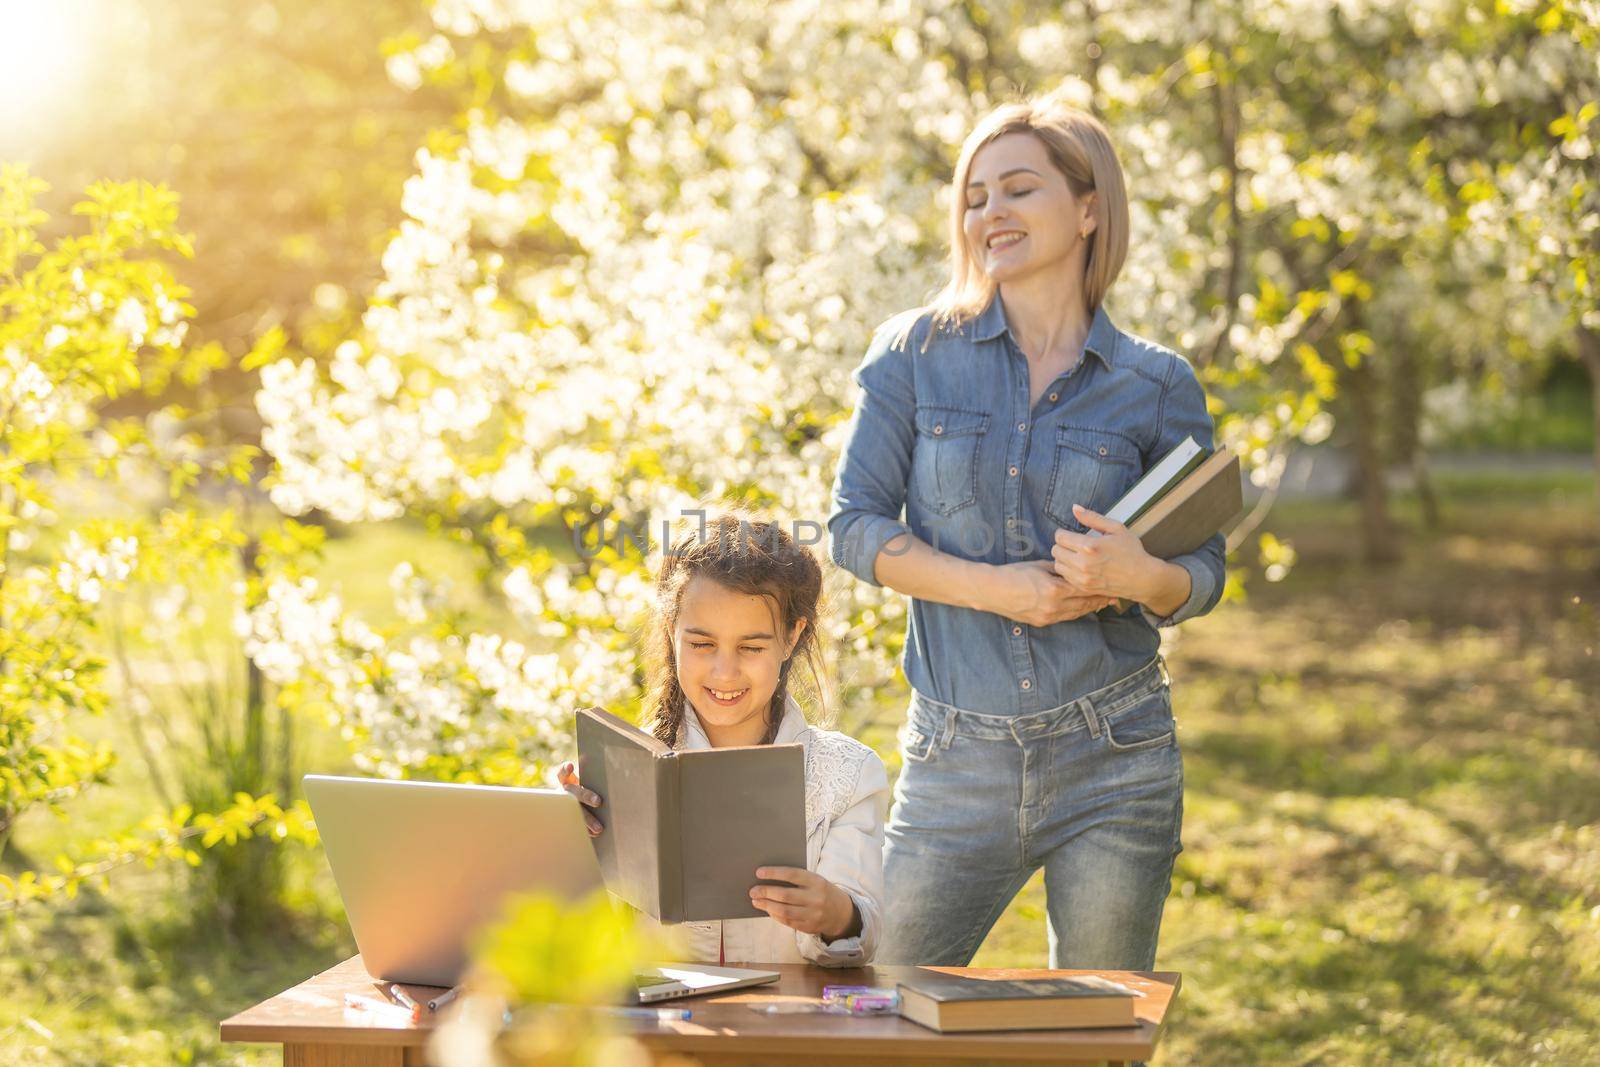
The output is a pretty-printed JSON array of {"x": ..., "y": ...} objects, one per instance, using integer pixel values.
[
  {"x": 1092, "y": 468},
  {"x": 919, "y": 736},
  {"x": 1145, "y": 722}
]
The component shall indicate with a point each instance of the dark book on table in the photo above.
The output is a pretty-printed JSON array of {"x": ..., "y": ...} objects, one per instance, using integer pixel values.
[
  {"x": 686, "y": 830},
  {"x": 949, "y": 1002}
]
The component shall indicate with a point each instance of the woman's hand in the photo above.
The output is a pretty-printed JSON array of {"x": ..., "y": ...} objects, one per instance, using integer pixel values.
[
  {"x": 1032, "y": 592},
  {"x": 814, "y": 906},
  {"x": 1115, "y": 564},
  {"x": 567, "y": 775}
]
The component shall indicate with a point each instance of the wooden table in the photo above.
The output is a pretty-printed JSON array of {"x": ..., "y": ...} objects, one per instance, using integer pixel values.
[{"x": 315, "y": 1030}]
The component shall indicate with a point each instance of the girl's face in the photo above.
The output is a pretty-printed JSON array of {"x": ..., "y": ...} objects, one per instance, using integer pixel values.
[
  {"x": 729, "y": 650},
  {"x": 1021, "y": 215}
]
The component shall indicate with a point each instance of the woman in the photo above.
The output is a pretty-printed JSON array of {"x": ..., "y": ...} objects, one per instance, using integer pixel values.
[{"x": 1004, "y": 418}]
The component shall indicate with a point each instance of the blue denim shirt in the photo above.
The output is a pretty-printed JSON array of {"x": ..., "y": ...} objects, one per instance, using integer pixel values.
[{"x": 946, "y": 439}]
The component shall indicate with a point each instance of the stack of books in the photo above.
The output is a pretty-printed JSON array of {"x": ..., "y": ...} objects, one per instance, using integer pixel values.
[{"x": 1188, "y": 496}]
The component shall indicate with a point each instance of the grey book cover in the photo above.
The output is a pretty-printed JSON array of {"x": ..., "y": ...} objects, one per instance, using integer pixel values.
[{"x": 685, "y": 831}]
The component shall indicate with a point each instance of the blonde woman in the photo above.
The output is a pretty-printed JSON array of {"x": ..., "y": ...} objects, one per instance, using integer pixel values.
[{"x": 1000, "y": 421}]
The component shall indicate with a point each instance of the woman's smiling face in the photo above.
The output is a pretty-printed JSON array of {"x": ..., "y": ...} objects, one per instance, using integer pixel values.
[
  {"x": 1021, "y": 215},
  {"x": 729, "y": 651}
]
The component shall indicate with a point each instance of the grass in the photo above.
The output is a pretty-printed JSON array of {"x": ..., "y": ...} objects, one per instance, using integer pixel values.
[
  {"x": 1392, "y": 815},
  {"x": 1392, "y": 833}
]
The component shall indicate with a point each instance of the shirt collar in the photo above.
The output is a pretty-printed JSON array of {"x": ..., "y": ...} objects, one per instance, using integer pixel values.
[
  {"x": 790, "y": 729},
  {"x": 1102, "y": 340}
]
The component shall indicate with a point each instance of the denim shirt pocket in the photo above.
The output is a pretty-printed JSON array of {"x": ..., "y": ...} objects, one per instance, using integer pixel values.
[
  {"x": 944, "y": 461},
  {"x": 1092, "y": 468}
]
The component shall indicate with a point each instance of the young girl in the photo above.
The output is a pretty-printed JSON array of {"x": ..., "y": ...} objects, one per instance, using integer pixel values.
[{"x": 735, "y": 607}]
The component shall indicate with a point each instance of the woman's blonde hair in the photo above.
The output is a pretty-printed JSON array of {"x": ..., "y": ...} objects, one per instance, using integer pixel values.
[{"x": 1080, "y": 147}]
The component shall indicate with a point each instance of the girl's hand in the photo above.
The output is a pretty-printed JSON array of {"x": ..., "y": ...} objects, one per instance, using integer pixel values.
[
  {"x": 1032, "y": 592},
  {"x": 813, "y": 906},
  {"x": 567, "y": 775},
  {"x": 1113, "y": 564}
]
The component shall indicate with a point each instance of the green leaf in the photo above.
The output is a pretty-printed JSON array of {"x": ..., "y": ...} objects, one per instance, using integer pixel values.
[{"x": 267, "y": 349}]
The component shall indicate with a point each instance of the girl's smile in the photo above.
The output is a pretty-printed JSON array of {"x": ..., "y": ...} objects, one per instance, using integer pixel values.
[{"x": 729, "y": 655}]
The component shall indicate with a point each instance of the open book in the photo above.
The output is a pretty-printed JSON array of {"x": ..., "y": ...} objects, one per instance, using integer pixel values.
[{"x": 686, "y": 830}]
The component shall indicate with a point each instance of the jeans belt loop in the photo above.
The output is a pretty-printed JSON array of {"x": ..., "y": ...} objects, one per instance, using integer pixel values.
[
  {"x": 1090, "y": 716},
  {"x": 1166, "y": 675},
  {"x": 948, "y": 734}
]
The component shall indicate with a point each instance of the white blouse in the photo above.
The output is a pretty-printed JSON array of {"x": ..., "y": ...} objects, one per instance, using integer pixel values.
[{"x": 847, "y": 791}]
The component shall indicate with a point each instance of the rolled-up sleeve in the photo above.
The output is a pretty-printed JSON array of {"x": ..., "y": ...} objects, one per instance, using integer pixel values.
[
  {"x": 1182, "y": 413},
  {"x": 869, "y": 490},
  {"x": 852, "y": 859}
]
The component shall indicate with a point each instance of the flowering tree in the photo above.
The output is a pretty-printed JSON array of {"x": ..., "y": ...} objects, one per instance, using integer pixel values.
[
  {"x": 1348, "y": 141},
  {"x": 639, "y": 270},
  {"x": 82, "y": 324},
  {"x": 636, "y": 276},
  {"x": 1532, "y": 197}
]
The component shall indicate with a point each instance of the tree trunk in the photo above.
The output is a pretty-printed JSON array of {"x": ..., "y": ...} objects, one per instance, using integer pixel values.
[
  {"x": 1431, "y": 514},
  {"x": 1410, "y": 383},
  {"x": 1225, "y": 105},
  {"x": 255, "y": 740},
  {"x": 1589, "y": 352},
  {"x": 1378, "y": 538},
  {"x": 245, "y": 879}
]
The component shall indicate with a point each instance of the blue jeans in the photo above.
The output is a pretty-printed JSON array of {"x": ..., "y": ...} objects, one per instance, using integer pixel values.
[{"x": 1092, "y": 791}]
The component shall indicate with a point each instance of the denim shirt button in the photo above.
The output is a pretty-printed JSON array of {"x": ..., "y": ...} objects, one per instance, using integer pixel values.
[
  {"x": 1013, "y": 472},
  {"x": 1026, "y": 684},
  {"x": 1054, "y": 395},
  {"x": 1102, "y": 450},
  {"x": 1022, "y": 427},
  {"x": 938, "y": 428},
  {"x": 1016, "y": 631}
]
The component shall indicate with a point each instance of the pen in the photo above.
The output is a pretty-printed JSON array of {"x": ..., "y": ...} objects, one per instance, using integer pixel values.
[
  {"x": 443, "y": 998},
  {"x": 405, "y": 1000},
  {"x": 661, "y": 1015}
]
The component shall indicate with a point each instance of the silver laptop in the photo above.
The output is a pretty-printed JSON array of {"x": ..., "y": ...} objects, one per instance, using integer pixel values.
[{"x": 422, "y": 865}]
